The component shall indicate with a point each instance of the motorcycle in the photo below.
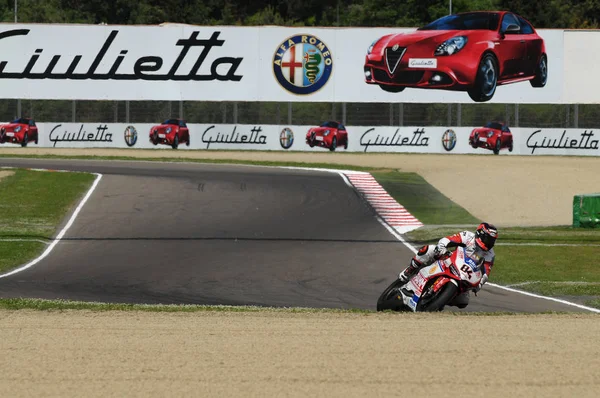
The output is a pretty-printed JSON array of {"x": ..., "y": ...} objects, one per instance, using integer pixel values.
[{"x": 434, "y": 286}]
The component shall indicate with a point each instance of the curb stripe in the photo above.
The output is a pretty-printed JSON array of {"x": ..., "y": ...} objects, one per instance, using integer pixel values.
[{"x": 386, "y": 207}]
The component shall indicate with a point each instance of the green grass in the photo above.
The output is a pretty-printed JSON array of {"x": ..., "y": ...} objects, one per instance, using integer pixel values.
[
  {"x": 61, "y": 305},
  {"x": 593, "y": 303},
  {"x": 32, "y": 206},
  {"x": 421, "y": 199},
  {"x": 563, "y": 289},
  {"x": 17, "y": 253},
  {"x": 516, "y": 264}
]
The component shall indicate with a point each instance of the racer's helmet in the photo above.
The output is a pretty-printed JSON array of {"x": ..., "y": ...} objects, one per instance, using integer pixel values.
[{"x": 486, "y": 236}]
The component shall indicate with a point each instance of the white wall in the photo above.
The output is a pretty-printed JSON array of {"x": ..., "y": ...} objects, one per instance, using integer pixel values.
[{"x": 410, "y": 139}]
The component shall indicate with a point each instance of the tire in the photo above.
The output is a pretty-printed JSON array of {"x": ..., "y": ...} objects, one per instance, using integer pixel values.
[
  {"x": 392, "y": 89},
  {"x": 333, "y": 144},
  {"x": 389, "y": 300},
  {"x": 346, "y": 143},
  {"x": 541, "y": 73},
  {"x": 475, "y": 139},
  {"x": 444, "y": 296},
  {"x": 175, "y": 142},
  {"x": 36, "y": 138},
  {"x": 486, "y": 80},
  {"x": 498, "y": 146},
  {"x": 187, "y": 143},
  {"x": 510, "y": 146},
  {"x": 155, "y": 138},
  {"x": 25, "y": 140}
]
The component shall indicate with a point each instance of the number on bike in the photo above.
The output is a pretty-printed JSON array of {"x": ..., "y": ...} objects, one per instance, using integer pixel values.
[{"x": 466, "y": 269}]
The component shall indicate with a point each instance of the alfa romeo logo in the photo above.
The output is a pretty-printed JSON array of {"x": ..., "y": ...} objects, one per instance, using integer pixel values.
[
  {"x": 131, "y": 136},
  {"x": 302, "y": 64},
  {"x": 449, "y": 140},
  {"x": 286, "y": 138}
]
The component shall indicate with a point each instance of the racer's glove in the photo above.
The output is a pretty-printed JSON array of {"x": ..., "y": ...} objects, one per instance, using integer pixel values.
[
  {"x": 481, "y": 283},
  {"x": 440, "y": 251}
]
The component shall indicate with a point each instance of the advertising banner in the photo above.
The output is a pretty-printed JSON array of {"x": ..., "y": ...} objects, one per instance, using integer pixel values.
[
  {"x": 199, "y": 63},
  {"x": 330, "y": 136}
]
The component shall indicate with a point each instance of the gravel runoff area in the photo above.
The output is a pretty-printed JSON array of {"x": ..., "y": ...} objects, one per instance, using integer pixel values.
[
  {"x": 268, "y": 354},
  {"x": 506, "y": 190}
]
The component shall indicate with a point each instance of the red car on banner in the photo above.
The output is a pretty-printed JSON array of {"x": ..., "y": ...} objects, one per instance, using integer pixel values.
[
  {"x": 493, "y": 135},
  {"x": 328, "y": 135},
  {"x": 170, "y": 132},
  {"x": 473, "y": 52},
  {"x": 19, "y": 131}
]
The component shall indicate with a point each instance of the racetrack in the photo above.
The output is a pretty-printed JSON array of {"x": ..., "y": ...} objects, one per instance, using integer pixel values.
[
  {"x": 515, "y": 190},
  {"x": 207, "y": 234}
]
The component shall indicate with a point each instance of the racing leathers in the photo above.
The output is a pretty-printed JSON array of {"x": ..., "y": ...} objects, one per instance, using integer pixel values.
[{"x": 430, "y": 253}]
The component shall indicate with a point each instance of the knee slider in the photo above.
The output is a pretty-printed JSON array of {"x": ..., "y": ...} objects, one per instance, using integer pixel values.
[{"x": 423, "y": 250}]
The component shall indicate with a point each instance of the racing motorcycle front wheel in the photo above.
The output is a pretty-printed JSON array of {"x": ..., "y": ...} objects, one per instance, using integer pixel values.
[
  {"x": 389, "y": 299},
  {"x": 439, "y": 300}
]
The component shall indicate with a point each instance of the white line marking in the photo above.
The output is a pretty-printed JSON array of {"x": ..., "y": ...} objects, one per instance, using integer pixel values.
[
  {"x": 62, "y": 232},
  {"x": 583, "y": 307},
  {"x": 398, "y": 235}
]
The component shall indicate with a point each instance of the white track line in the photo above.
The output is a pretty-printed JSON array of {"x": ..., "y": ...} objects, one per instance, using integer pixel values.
[
  {"x": 395, "y": 232},
  {"x": 583, "y": 307},
  {"x": 62, "y": 232}
]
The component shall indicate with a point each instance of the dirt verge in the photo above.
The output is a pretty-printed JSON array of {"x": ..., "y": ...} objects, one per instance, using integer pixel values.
[
  {"x": 6, "y": 173},
  {"x": 83, "y": 353}
]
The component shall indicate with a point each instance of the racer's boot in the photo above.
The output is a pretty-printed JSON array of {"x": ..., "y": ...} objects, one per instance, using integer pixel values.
[{"x": 410, "y": 271}]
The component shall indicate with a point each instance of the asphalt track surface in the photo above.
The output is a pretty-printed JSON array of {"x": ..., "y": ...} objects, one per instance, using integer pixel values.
[{"x": 187, "y": 233}]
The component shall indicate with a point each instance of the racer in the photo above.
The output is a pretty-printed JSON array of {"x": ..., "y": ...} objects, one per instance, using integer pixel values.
[{"x": 479, "y": 244}]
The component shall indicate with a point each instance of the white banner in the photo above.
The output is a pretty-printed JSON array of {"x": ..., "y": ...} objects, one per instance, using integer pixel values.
[
  {"x": 199, "y": 63},
  {"x": 409, "y": 139}
]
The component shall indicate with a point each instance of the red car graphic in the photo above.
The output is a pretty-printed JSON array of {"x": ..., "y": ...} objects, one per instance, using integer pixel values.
[
  {"x": 171, "y": 132},
  {"x": 328, "y": 135},
  {"x": 493, "y": 135},
  {"x": 473, "y": 52},
  {"x": 19, "y": 131}
]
